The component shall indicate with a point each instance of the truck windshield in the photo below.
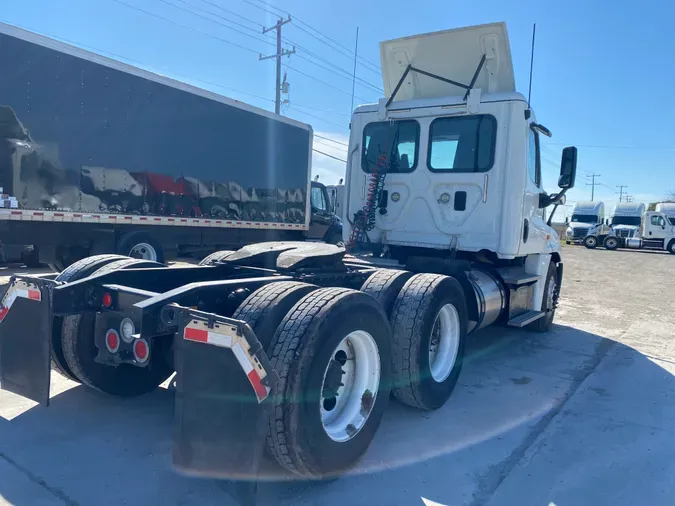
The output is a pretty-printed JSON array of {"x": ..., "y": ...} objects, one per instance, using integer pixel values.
[
  {"x": 671, "y": 219},
  {"x": 585, "y": 218},
  {"x": 626, "y": 220}
]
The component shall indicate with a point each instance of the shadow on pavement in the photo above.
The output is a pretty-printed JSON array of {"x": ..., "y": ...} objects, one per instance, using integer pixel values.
[{"x": 88, "y": 448}]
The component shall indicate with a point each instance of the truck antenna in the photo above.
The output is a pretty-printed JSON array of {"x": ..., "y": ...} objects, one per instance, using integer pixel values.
[{"x": 529, "y": 91}]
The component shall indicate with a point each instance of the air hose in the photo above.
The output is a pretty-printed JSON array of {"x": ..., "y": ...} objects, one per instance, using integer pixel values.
[{"x": 365, "y": 219}]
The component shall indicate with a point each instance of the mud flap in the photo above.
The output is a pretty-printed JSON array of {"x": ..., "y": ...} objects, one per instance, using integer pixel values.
[
  {"x": 25, "y": 331},
  {"x": 223, "y": 402}
]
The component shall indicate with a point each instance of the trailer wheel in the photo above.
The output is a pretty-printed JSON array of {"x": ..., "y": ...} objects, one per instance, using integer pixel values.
[
  {"x": 216, "y": 257},
  {"x": 611, "y": 243},
  {"x": 429, "y": 324},
  {"x": 384, "y": 285},
  {"x": 79, "y": 270},
  {"x": 264, "y": 309},
  {"x": 125, "y": 380},
  {"x": 548, "y": 303},
  {"x": 141, "y": 245},
  {"x": 590, "y": 241},
  {"x": 332, "y": 352},
  {"x": 671, "y": 247}
]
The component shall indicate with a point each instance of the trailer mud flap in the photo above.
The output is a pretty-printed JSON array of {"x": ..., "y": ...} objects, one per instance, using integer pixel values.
[
  {"x": 223, "y": 386},
  {"x": 25, "y": 330}
]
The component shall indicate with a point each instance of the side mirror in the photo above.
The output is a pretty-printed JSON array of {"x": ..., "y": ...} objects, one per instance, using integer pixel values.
[{"x": 568, "y": 168}]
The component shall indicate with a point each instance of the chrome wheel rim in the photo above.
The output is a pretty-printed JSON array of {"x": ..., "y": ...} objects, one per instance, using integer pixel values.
[
  {"x": 144, "y": 251},
  {"x": 591, "y": 241},
  {"x": 350, "y": 384},
  {"x": 444, "y": 343}
]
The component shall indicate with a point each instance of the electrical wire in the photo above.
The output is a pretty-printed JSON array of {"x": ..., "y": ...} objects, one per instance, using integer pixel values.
[
  {"x": 149, "y": 13},
  {"x": 329, "y": 156},
  {"x": 257, "y": 37},
  {"x": 331, "y": 140},
  {"x": 319, "y": 118},
  {"x": 347, "y": 73},
  {"x": 364, "y": 62},
  {"x": 349, "y": 93}
]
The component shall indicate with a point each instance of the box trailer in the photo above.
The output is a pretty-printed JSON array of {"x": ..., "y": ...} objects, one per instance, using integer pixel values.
[
  {"x": 296, "y": 346},
  {"x": 97, "y": 156}
]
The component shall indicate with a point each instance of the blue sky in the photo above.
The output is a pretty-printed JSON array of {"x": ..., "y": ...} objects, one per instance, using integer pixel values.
[{"x": 603, "y": 76}]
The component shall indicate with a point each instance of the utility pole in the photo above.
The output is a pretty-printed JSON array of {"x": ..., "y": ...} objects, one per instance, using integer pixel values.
[
  {"x": 621, "y": 187},
  {"x": 593, "y": 184},
  {"x": 279, "y": 54}
]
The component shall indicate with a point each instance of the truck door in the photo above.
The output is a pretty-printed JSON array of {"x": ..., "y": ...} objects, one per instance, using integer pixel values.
[
  {"x": 321, "y": 218},
  {"x": 534, "y": 230},
  {"x": 656, "y": 230}
]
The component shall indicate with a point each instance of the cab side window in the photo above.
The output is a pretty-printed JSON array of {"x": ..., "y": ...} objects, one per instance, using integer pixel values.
[
  {"x": 658, "y": 221},
  {"x": 533, "y": 161}
]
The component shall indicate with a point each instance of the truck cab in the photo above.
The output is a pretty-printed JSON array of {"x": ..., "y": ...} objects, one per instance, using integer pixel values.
[
  {"x": 668, "y": 209},
  {"x": 454, "y": 169},
  {"x": 657, "y": 232},
  {"x": 585, "y": 216},
  {"x": 626, "y": 219}
]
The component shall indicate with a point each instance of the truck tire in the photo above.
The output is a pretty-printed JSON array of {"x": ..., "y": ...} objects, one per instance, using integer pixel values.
[
  {"x": 384, "y": 285},
  {"x": 80, "y": 350},
  {"x": 671, "y": 247},
  {"x": 325, "y": 416},
  {"x": 429, "y": 323},
  {"x": 264, "y": 309},
  {"x": 549, "y": 300},
  {"x": 611, "y": 243},
  {"x": 74, "y": 272},
  {"x": 216, "y": 257},
  {"x": 141, "y": 245},
  {"x": 591, "y": 242}
]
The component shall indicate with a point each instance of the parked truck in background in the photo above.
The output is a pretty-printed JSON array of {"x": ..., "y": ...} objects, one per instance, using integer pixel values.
[
  {"x": 624, "y": 222},
  {"x": 297, "y": 346},
  {"x": 668, "y": 209},
  {"x": 585, "y": 215},
  {"x": 655, "y": 232},
  {"x": 103, "y": 157}
]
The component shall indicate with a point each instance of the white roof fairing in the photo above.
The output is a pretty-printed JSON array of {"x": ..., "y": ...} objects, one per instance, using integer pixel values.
[{"x": 452, "y": 54}]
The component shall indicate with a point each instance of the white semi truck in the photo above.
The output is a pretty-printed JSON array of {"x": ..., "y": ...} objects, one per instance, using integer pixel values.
[
  {"x": 655, "y": 232},
  {"x": 296, "y": 346},
  {"x": 586, "y": 215},
  {"x": 668, "y": 209}
]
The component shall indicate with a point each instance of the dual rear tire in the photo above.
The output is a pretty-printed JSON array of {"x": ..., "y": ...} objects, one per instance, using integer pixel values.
[{"x": 340, "y": 353}]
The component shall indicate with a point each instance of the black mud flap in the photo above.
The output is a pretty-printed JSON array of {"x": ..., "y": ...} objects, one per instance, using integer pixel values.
[
  {"x": 223, "y": 397},
  {"x": 25, "y": 331}
]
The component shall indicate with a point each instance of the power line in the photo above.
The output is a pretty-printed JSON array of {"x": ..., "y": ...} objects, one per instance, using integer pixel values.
[
  {"x": 318, "y": 142},
  {"x": 312, "y": 108},
  {"x": 233, "y": 13},
  {"x": 362, "y": 82},
  {"x": 149, "y": 13},
  {"x": 346, "y": 73},
  {"x": 256, "y": 32},
  {"x": 332, "y": 140},
  {"x": 324, "y": 83},
  {"x": 329, "y": 156},
  {"x": 342, "y": 127},
  {"x": 364, "y": 62}
]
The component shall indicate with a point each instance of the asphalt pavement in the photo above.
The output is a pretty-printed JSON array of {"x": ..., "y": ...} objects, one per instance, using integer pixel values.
[{"x": 583, "y": 415}]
